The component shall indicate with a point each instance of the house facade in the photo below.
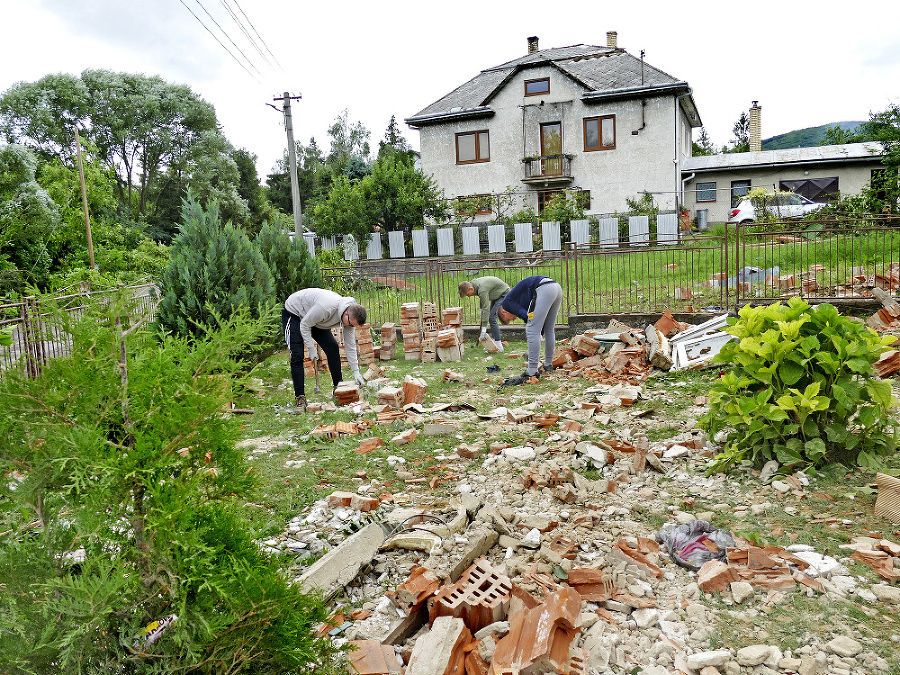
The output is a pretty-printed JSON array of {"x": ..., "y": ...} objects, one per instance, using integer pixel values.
[
  {"x": 717, "y": 182},
  {"x": 593, "y": 119}
]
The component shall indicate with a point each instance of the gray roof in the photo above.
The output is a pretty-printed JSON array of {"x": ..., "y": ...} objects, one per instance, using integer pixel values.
[
  {"x": 601, "y": 71},
  {"x": 822, "y": 154}
]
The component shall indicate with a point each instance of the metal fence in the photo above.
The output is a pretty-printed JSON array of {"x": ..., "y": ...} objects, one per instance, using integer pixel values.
[
  {"x": 642, "y": 270},
  {"x": 646, "y": 270},
  {"x": 836, "y": 261},
  {"x": 36, "y": 339}
]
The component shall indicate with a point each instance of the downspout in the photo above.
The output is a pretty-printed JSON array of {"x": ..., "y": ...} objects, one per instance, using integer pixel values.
[
  {"x": 679, "y": 196},
  {"x": 685, "y": 181}
]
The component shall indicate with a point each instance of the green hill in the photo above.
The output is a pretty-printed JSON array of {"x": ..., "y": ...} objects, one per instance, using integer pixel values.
[{"x": 804, "y": 138}]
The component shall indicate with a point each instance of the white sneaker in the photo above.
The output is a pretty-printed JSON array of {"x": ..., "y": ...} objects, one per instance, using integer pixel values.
[{"x": 499, "y": 344}]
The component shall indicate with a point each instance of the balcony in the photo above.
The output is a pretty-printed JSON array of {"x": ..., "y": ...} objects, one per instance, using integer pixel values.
[{"x": 548, "y": 170}]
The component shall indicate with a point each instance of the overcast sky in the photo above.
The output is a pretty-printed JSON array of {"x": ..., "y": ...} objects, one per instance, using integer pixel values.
[{"x": 805, "y": 67}]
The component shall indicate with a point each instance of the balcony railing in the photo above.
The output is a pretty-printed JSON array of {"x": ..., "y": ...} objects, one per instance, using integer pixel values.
[{"x": 548, "y": 168}]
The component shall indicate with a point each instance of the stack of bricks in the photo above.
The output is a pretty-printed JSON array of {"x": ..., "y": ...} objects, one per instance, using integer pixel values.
[
  {"x": 429, "y": 316},
  {"x": 391, "y": 397},
  {"x": 346, "y": 393},
  {"x": 388, "y": 341},
  {"x": 448, "y": 345},
  {"x": 411, "y": 329},
  {"x": 365, "y": 347},
  {"x": 452, "y": 317},
  {"x": 428, "y": 351},
  {"x": 308, "y": 369},
  {"x": 339, "y": 338}
]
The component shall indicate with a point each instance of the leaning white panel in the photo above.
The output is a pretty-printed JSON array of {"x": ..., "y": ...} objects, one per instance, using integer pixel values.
[
  {"x": 581, "y": 232},
  {"x": 351, "y": 250},
  {"x": 496, "y": 239},
  {"x": 373, "y": 248},
  {"x": 550, "y": 238},
  {"x": 608, "y": 232},
  {"x": 638, "y": 230},
  {"x": 667, "y": 229},
  {"x": 310, "y": 243},
  {"x": 524, "y": 238},
  {"x": 396, "y": 244},
  {"x": 420, "y": 243},
  {"x": 471, "y": 242},
  {"x": 445, "y": 241}
]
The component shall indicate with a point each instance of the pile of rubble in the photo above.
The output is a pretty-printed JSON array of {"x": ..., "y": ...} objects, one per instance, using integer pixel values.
[
  {"x": 551, "y": 572},
  {"x": 620, "y": 353}
]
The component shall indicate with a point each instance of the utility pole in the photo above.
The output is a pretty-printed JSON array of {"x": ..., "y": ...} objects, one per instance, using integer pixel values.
[
  {"x": 292, "y": 156},
  {"x": 84, "y": 201}
]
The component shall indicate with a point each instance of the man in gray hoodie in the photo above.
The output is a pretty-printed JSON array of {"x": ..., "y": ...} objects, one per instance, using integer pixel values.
[{"x": 307, "y": 319}]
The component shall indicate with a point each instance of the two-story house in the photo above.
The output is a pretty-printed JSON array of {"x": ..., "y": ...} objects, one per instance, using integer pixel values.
[{"x": 588, "y": 118}]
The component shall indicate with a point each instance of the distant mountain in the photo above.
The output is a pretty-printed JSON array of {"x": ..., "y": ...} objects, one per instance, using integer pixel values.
[{"x": 804, "y": 138}]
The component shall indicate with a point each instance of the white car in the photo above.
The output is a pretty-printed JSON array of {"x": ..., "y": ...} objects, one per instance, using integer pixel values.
[{"x": 784, "y": 206}]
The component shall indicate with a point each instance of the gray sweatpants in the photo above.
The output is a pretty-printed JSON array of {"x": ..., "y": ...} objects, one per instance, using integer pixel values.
[{"x": 548, "y": 298}]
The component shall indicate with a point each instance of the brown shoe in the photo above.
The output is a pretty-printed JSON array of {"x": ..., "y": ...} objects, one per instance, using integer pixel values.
[{"x": 300, "y": 405}]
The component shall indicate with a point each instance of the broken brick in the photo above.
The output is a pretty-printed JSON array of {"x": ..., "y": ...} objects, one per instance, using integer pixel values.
[
  {"x": 539, "y": 638},
  {"x": 480, "y": 597},
  {"x": 716, "y": 575}
]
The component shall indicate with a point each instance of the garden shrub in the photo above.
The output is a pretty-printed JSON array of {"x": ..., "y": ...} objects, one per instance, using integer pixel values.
[
  {"x": 289, "y": 261},
  {"x": 124, "y": 503},
  {"x": 801, "y": 390},
  {"x": 214, "y": 270}
]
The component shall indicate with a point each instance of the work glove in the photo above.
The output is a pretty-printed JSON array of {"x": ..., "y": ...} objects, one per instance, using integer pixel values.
[
  {"x": 483, "y": 334},
  {"x": 499, "y": 344},
  {"x": 358, "y": 378}
]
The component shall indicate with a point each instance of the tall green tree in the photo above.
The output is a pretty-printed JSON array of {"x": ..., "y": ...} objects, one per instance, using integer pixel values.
[
  {"x": 741, "y": 131},
  {"x": 123, "y": 508},
  {"x": 314, "y": 178},
  {"x": 349, "y": 146},
  {"x": 288, "y": 258},
  {"x": 400, "y": 197},
  {"x": 703, "y": 145},
  {"x": 28, "y": 216},
  {"x": 148, "y": 131},
  {"x": 394, "y": 141},
  {"x": 213, "y": 271}
]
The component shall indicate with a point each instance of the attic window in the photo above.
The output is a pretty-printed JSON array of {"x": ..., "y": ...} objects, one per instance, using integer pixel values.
[{"x": 537, "y": 87}]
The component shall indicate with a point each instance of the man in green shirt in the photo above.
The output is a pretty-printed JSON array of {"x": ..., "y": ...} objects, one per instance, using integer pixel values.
[{"x": 490, "y": 291}]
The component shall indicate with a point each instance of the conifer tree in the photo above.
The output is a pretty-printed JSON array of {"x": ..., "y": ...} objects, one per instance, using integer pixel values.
[
  {"x": 124, "y": 544},
  {"x": 292, "y": 267},
  {"x": 213, "y": 271}
]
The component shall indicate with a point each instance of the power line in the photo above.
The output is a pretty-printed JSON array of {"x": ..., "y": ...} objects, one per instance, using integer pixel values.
[
  {"x": 219, "y": 41},
  {"x": 227, "y": 36},
  {"x": 246, "y": 33},
  {"x": 238, "y": 5}
]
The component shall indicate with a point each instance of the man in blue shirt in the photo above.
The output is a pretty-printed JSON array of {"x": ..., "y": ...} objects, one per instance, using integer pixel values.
[{"x": 536, "y": 301}]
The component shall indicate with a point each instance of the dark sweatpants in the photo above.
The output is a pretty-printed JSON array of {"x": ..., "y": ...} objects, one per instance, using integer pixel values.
[{"x": 291, "y": 325}]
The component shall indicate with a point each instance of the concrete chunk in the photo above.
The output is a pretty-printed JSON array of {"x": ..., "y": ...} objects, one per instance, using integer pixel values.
[{"x": 340, "y": 565}]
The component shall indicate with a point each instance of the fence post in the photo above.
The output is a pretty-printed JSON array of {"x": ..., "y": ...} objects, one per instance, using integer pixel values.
[{"x": 31, "y": 342}]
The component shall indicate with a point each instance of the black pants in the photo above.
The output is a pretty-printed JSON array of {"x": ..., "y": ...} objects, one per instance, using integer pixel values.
[{"x": 291, "y": 325}]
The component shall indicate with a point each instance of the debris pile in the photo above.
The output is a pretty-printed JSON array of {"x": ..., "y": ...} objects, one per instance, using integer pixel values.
[
  {"x": 620, "y": 353},
  {"x": 553, "y": 572}
]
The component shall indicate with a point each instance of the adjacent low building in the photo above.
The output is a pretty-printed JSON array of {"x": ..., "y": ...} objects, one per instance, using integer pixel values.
[{"x": 715, "y": 183}]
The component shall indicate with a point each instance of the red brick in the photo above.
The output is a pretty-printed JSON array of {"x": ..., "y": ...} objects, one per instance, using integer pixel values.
[{"x": 716, "y": 576}]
